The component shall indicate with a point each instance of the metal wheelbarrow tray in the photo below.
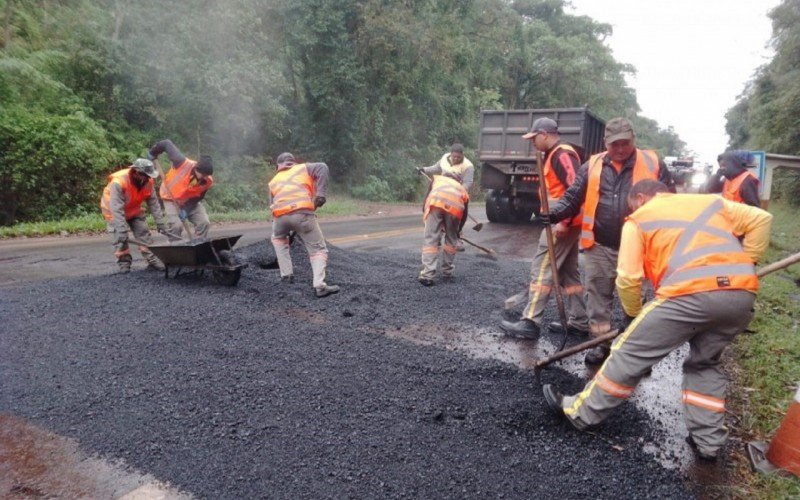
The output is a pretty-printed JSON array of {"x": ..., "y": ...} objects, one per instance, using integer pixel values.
[{"x": 215, "y": 255}]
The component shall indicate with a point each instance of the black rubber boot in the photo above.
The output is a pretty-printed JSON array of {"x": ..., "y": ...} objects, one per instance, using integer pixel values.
[
  {"x": 426, "y": 281},
  {"x": 555, "y": 326},
  {"x": 522, "y": 329},
  {"x": 555, "y": 401},
  {"x": 708, "y": 457}
]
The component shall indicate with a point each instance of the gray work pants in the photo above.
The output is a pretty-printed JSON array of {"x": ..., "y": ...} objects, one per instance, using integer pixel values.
[
  {"x": 438, "y": 222},
  {"x": 195, "y": 213},
  {"x": 307, "y": 228},
  {"x": 708, "y": 321},
  {"x": 599, "y": 274},
  {"x": 141, "y": 232},
  {"x": 565, "y": 248}
]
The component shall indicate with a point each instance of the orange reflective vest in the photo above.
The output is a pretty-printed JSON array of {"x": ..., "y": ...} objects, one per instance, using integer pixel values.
[
  {"x": 134, "y": 197},
  {"x": 731, "y": 189},
  {"x": 646, "y": 167},
  {"x": 292, "y": 189},
  {"x": 692, "y": 249},
  {"x": 180, "y": 184},
  {"x": 555, "y": 189},
  {"x": 446, "y": 194}
]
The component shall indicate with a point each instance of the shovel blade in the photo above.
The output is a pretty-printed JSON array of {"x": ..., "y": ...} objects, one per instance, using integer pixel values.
[{"x": 478, "y": 226}]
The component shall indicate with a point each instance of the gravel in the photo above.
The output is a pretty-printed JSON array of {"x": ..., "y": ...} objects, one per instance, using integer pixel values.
[{"x": 262, "y": 390}]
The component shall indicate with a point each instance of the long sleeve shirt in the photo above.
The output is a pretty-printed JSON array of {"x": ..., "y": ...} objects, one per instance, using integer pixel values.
[
  {"x": 466, "y": 169},
  {"x": 751, "y": 223},
  {"x": 176, "y": 157},
  {"x": 319, "y": 172},
  {"x": 612, "y": 206},
  {"x": 117, "y": 207}
]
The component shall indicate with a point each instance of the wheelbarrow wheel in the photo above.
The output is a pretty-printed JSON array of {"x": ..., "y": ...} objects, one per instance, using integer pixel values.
[{"x": 225, "y": 277}]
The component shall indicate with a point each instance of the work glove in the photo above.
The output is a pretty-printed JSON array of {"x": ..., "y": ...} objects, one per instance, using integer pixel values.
[
  {"x": 542, "y": 219},
  {"x": 122, "y": 237},
  {"x": 420, "y": 170},
  {"x": 319, "y": 201},
  {"x": 182, "y": 215},
  {"x": 161, "y": 228},
  {"x": 150, "y": 156}
]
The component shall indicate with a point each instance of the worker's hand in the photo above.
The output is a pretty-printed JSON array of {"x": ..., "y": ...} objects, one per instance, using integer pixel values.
[
  {"x": 150, "y": 156},
  {"x": 319, "y": 201},
  {"x": 542, "y": 220},
  {"x": 560, "y": 229},
  {"x": 420, "y": 170},
  {"x": 161, "y": 228},
  {"x": 182, "y": 215},
  {"x": 122, "y": 238}
]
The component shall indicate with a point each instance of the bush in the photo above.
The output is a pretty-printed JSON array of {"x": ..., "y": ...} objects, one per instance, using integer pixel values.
[{"x": 373, "y": 189}]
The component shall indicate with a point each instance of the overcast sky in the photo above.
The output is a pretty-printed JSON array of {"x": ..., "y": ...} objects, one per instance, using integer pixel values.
[{"x": 693, "y": 58}]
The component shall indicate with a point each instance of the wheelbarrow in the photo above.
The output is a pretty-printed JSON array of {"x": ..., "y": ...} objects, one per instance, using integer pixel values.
[{"x": 215, "y": 255}]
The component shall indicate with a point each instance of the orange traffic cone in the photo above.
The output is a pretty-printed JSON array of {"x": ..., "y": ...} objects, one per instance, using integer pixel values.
[{"x": 784, "y": 449}]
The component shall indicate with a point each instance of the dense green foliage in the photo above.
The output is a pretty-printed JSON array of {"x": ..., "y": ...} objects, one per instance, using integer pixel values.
[
  {"x": 767, "y": 114},
  {"x": 372, "y": 87}
]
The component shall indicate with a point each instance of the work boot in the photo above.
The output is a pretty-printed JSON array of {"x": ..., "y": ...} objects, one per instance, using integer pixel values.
[
  {"x": 555, "y": 401},
  {"x": 702, "y": 455},
  {"x": 154, "y": 263},
  {"x": 522, "y": 329},
  {"x": 426, "y": 281},
  {"x": 597, "y": 355},
  {"x": 124, "y": 263},
  {"x": 555, "y": 326},
  {"x": 448, "y": 278},
  {"x": 289, "y": 279},
  {"x": 326, "y": 290}
]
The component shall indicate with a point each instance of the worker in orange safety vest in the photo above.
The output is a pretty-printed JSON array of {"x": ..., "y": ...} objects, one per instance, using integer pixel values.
[
  {"x": 121, "y": 205},
  {"x": 561, "y": 162},
  {"x": 601, "y": 190},
  {"x": 705, "y": 287},
  {"x": 296, "y": 191},
  {"x": 183, "y": 188},
  {"x": 733, "y": 180},
  {"x": 444, "y": 213}
]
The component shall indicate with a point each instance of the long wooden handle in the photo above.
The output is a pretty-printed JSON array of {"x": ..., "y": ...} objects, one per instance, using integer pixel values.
[{"x": 777, "y": 266}]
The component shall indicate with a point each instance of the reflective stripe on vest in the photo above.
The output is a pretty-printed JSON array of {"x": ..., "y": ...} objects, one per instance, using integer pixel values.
[
  {"x": 446, "y": 194},
  {"x": 646, "y": 167},
  {"x": 292, "y": 189},
  {"x": 178, "y": 186},
  {"x": 732, "y": 189},
  {"x": 694, "y": 250},
  {"x": 133, "y": 197}
]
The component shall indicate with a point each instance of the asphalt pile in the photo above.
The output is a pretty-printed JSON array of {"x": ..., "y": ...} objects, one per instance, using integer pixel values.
[{"x": 263, "y": 390}]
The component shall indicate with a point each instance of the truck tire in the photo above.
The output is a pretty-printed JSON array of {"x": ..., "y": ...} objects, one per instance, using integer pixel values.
[{"x": 497, "y": 206}]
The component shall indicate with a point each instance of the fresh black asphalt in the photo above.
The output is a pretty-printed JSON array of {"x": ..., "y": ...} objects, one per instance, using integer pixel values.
[{"x": 262, "y": 390}]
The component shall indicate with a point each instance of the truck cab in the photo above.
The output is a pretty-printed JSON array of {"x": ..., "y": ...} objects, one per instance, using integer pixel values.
[{"x": 508, "y": 162}]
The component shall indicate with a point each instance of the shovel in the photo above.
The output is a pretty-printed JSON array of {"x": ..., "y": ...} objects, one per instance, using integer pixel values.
[
  {"x": 478, "y": 225},
  {"x": 489, "y": 252}
]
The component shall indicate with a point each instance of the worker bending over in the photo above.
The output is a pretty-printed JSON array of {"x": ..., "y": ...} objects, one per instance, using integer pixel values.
[
  {"x": 457, "y": 163},
  {"x": 444, "y": 213},
  {"x": 182, "y": 189},
  {"x": 705, "y": 286},
  {"x": 561, "y": 163},
  {"x": 121, "y": 205},
  {"x": 601, "y": 188},
  {"x": 296, "y": 191}
]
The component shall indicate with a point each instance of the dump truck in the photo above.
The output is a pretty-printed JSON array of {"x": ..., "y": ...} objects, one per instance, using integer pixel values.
[{"x": 508, "y": 162}]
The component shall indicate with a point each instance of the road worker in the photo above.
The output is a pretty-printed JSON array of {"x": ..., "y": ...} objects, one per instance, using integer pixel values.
[
  {"x": 445, "y": 212},
  {"x": 561, "y": 163},
  {"x": 733, "y": 180},
  {"x": 296, "y": 191},
  {"x": 183, "y": 188},
  {"x": 456, "y": 162},
  {"x": 121, "y": 205},
  {"x": 705, "y": 286},
  {"x": 601, "y": 188}
]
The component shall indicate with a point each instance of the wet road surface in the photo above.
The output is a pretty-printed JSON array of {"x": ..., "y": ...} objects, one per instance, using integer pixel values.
[{"x": 28, "y": 261}]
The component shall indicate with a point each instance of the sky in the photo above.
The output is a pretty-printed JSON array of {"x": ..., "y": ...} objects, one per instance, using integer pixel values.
[{"x": 693, "y": 58}]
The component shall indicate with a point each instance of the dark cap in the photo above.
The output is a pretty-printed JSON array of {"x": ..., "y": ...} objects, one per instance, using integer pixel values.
[
  {"x": 541, "y": 125},
  {"x": 285, "y": 158},
  {"x": 457, "y": 147},
  {"x": 205, "y": 165},
  {"x": 618, "y": 129}
]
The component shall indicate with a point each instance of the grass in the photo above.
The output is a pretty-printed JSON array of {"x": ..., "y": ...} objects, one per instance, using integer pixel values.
[
  {"x": 768, "y": 368},
  {"x": 94, "y": 223}
]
